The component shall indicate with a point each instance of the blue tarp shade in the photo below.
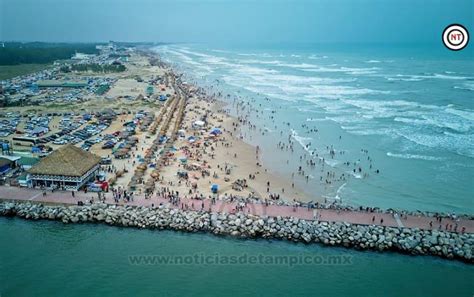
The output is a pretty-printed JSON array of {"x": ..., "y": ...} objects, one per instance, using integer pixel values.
[
  {"x": 216, "y": 131},
  {"x": 5, "y": 168}
]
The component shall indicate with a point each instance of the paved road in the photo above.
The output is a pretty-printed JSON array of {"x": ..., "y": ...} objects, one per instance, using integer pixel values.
[{"x": 326, "y": 215}]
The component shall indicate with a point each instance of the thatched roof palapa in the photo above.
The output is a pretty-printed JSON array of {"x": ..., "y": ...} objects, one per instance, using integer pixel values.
[{"x": 69, "y": 160}]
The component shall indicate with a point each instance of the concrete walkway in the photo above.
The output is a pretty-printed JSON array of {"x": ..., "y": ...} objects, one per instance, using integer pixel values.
[{"x": 324, "y": 215}]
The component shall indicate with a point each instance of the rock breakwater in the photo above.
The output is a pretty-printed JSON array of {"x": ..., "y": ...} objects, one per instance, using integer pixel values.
[{"x": 363, "y": 237}]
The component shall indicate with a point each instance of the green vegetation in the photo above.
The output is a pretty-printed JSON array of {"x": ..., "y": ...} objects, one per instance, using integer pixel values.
[
  {"x": 15, "y": 53},
  {"x": 95, "y": 68},
  {"x": 10, "y": 71}
]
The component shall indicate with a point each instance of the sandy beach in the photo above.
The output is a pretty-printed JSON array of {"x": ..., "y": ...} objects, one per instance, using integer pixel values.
[
  {"x": 226, "y": 159},
  {"x": 188, "y": 159}
]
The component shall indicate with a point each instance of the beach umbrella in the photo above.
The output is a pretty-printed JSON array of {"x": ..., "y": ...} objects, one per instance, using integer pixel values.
[
  {"x": 112, "y": 180},
  {"x": 191, "y": 139}
]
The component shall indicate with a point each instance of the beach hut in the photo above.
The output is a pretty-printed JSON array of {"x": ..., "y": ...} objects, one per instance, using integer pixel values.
[{"x": 50, "y": 171}]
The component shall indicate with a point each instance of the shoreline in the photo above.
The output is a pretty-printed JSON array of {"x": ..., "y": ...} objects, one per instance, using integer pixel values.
[
  {"x": 358, "y": 191},
  {"x": 224, "y": 159},
  {"x": 252, "y": 200},
  {"x": 279, "y": 178},
  {"x": 448, "y": 245},
  {"x": 218, "y": 103}
]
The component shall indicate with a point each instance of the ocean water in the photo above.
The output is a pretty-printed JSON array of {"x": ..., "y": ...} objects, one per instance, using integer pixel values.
[
  {"x": 407, "y": 112},
  {"x": 412, "y": 110},
  {"x": 52, "y": 259}
]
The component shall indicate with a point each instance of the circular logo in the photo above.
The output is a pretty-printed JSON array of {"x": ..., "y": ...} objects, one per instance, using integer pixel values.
[{"x": 455, "y": 37}]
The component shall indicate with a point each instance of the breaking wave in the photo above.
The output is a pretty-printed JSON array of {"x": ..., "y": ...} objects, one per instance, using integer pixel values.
[{"x": 414, "y": 156}]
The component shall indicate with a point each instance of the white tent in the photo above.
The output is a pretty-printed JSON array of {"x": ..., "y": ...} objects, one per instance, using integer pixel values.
[{"x": 198, "y": 124}]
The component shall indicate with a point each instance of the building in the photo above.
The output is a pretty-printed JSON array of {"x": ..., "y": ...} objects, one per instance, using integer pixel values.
[
  {"x": 61, "y": 84},
  {"x": 39, "y": 131},
  {"x": 67, "y": 168},
  {"x": 27, "y": 161},
  {"x": 8, "y": 163},
  {"x": 82, "y": 56}
]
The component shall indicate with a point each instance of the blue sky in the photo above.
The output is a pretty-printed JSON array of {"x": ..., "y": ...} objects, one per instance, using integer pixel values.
[{"x": 225, "y": 21}]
